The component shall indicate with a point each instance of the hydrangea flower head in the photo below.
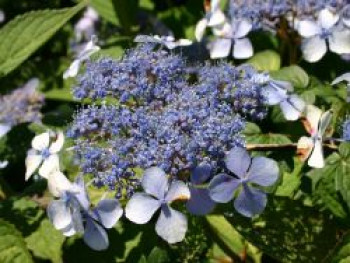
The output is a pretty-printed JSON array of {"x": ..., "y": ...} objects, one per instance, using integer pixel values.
[
  {"x": 159, "y": 194},
  {"x": 261, "y": 171}
]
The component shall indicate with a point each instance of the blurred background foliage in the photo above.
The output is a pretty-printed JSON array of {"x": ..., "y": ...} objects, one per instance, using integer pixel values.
[{"x": 306, "y": 221}]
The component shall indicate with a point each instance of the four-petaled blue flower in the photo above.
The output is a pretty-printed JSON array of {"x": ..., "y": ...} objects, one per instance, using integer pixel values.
[
  {"x": 259, "y": 170},
  {"x": 159, "y": 193},
  {"x": 200, "y": 202},
  {"x": 71, "y": 214}
]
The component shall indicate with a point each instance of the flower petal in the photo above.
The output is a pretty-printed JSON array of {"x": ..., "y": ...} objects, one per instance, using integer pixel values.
[
  {"x": 80, "y": 192},
  {"x": 217, "y": 18},
  {"x": 284, "y": 85},
  {"x": 200, "y": 29},
  {"x": 155, "y": 182},
  {"x": 327, "y": 19},
  {"x": 242, "y": 28},
  {"x": 73, "y": 69},
  {"x": 250, "y": 201},
  {"x": 178, "y": 191},
  {"x": 201, "y": 173},
  {"x": 242, "y": 48},
  {"x": 316, "y": 159},
  {"x": 313, "y": 48},
  {"x": 58, "y": 183},
  {"x": 304, "y": 147},
  {"x": 339, "y": 42},
  {"x": 200, "y": 202},
  {"x": 344, "y": 77},
  {"x": 292, "y": 108},
  {"x": 171, "y": 225},
  {"x": 324, "y": 122},
  {"x": 308, "y": 28},
  {"x": 69, "y": 230},
  {"x": 32, "y": 163},
  {"x": 41, "y": 141},
  {"x": 220, "y": 48},
  {"x": 59, "y": 214},
  {"x": 238, "y": 161},
  {"x": 3, "y": 164},
  {"x": 50, "y": 165},
  {"x": 108, "y": 212},
  {"x": 58, "y": 144},
  {"x": 313, "y": 117},
  {"x": 263, "y": 171},
  {"x": 141, "y": 208},
  {"x": 222, "y": 187},
  {"x": 95, "y": 236},
  {"x": 274, "y": 95}
]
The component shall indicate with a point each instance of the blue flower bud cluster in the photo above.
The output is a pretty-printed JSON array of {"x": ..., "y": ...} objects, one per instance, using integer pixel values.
[
  {"x": 346, "y": 130},
  {"x": 165, "y": 115}
]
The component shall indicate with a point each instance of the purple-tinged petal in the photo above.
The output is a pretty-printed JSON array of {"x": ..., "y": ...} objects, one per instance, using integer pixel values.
[
  {"x": 250, "y": 201},
  {"x": 155, "y": 182},
  {"x": 95, "y": 236},
  {"x": 238, "y": 161},
  {"x": 200, "y": 202},
  {"x": 80, "y": 192},
  {"x": 292, "y": 108},
  {"x": 178, "y": 191},
  {"x": 171, "y": 225},
  {"x": 201, "y": 173},
  {"x": 141, "y": 207},
  {"x": 108, "y": 212},
  {"x": 222, "y": 187},
  {"x": 263, "y": 171},
  {"x": 274, "y": 95}
]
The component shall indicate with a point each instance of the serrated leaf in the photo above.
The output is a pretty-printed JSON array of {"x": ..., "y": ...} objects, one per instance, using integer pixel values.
[
  {"x": 267, "y": 60},
  {"x": 158, "y": 255},
  {"x": 12, "y": 246},
  {"x": 290, "y": 181},
  {"x": 289, "y": 231},
  {"x": 22, "y": 36},
  {"x": 46, "y": 242},
  {"x": 294, "y": 74}
]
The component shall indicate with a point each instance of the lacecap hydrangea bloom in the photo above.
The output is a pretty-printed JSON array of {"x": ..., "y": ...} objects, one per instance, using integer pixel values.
[{"x": 160, "y": 117}]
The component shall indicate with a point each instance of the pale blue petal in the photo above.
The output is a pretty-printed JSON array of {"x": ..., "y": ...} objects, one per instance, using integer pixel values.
[
  {"x": 95, "y": 236},
  {"x": 263, "y": 171},
  {"x": 171, "y": 225},
  {"x": 200, "y": 202},
  {"x": 274, "y": 95},
  {"x": 238, "y": 161},
  {"x": 291, "y": 108},
  {"x": 59, "y": 214},
  {"x": 242, "y": 48},
  {"x": 222, "y": 188},
  {"x": 250, "y": 201},
  {"x": 201, "y": 173},
  {"x": 141, "y": 208},
  {"x": 155, "y": 182},
  {"x": 108, "y": 212},
  {"x": 81, "y": 193},
  {"x": 178, "y": 191}
]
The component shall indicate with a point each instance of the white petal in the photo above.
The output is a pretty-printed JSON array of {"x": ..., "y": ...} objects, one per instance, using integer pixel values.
[
  {"x": 290, "y": 112},
  {"x": 73, "y": 69},
  {"x": 327, "y": 19},
  {"x": 220, "y": 48},
  {"x": 69, "y": 230},
  {"x": 242, "y": 48},
  {"x": 58, "y": 183},
  {"x": 41, "y": 141},
  {"x": 344, "y": 77},
  {"x": 324, "y": 122},
  {"x": 304, "y": 147},
  {"x": 59, "y": 214},
  {"x": 242, "y": 28},
  {"x": 224, "y": 30},
  {"x": 171, "y": 225},
  {"x": 58, "y": 144},
  {"x": 4, "y": 128},
  {"x": 108, "y": 212},
  {"x": 313, "y": 48},
  {"x": 316, "y": 159},
  {"x": 214, "y": 5},
  {"x": 50, "y": 165},
  {"x": 339, "y": 42},
  {"x": 313, "y": 117},
  {"x": 200, "y": 29},
  {"x": 32, "y": 163},
  {"x": 141, "y": 207},
  {"x": 184, "y": 42},
  {"x": 216, "y": 18},
  {"x": 308, "y": 28},
  {"x": 3, "y": 164},
  {"x": 178, "y": 191},
  {"x": 155, "y": 182}
]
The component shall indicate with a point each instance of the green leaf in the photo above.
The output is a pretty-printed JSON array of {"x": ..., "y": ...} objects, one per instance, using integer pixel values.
[
  {"x": 290, "y": 181},
  {"x": 267, "y": 60},
  {"x": 26, "y": 33},
  {"x": 126, "y": 11},
  {"x": 254, "y": 136},
  {"x": 231, "y": 239},
  {"x": 289, "y": 231},
  {"x": 158, "y": 255},
  {"x": 294, "y": 74},
  {"x": 105, "y": 9},
  {"x": 342, "y": 253},
  {"x": 12, "y": 246},
  {"x": 46, "y": 242}
]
